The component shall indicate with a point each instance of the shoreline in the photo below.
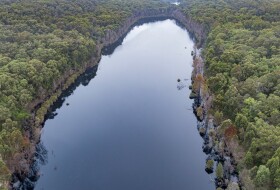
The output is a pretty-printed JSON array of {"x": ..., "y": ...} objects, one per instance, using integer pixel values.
[
  {"x": 111, "y": 40},
  {"x": 106, "y": 46},
  {"x": 208, "y": 130}
]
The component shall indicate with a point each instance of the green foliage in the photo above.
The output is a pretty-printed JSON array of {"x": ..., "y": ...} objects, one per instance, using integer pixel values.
[
  {"x": 243, "y": 74},
  {"x": 233, "y": 186},
  {"x": 263, "y": 176},
  {"x": 249, "y": 159},
  {"x": 241, "y": 121},
  {"x": 253, "y": 172},
  {"x": 41, "y": 44},
  {"x": 4, "y": 171},
  {"x": 218, "y": 117},
  {"x": 210, "y": 164},
  {"x": 199, "y": 112},
  {"x": 220, "y": 171},
  {"x": 273, "y": 165},
  {"x": 276, "y": 178}
]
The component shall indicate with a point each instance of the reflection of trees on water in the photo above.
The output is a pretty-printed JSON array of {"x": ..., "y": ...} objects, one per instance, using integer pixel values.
[
  {"x": 28, "y": 182},
  {"x": 181, "y": 84},
  {"x": 41, "y": 154},
  {"x": 83, "y": 79}
]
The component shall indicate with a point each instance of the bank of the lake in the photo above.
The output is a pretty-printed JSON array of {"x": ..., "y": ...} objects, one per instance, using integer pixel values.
[{"x": 218, "y": 152}]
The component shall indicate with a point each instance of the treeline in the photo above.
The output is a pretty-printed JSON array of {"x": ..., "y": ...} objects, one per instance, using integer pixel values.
[
  {"x": 242, "y": 58},
  {"x": 42, "y": 43}
]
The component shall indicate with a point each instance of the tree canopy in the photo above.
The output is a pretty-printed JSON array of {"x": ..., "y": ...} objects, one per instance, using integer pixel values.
[
  {"x": 43, "y": 41},
  {"x": 242, "y": 60}
]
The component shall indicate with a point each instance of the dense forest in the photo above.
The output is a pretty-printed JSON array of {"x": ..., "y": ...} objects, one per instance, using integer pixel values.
[
  {"x": 242, "y": 64},
  {"x": 43, "y": 42}
]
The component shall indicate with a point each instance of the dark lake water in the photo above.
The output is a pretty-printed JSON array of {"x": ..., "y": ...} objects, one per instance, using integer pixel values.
[{"x": 132, "y": 126}]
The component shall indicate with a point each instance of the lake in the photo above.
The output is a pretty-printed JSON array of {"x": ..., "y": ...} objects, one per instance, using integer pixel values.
[{"x": 130, "y": 127}]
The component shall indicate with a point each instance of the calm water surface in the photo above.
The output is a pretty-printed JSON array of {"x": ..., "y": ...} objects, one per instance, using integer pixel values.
[{"x": 132, "y": 126}]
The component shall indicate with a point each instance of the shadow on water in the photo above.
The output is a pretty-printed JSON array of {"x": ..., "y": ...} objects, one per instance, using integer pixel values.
[
  {"x": 109, "y": 50},
  {"x": 41, "y": 153},
  {"x": 83, "y": 79}
]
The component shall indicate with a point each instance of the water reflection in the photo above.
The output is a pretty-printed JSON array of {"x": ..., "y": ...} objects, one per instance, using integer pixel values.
[
  {"x": 41, "y": 153},
  {"x": 83, "y": 79}
]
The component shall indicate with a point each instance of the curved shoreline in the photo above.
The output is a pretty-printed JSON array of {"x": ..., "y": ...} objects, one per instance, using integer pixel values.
[
  {"x": 105, "y": 46},
  {"x": 111, "y": 40}
]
